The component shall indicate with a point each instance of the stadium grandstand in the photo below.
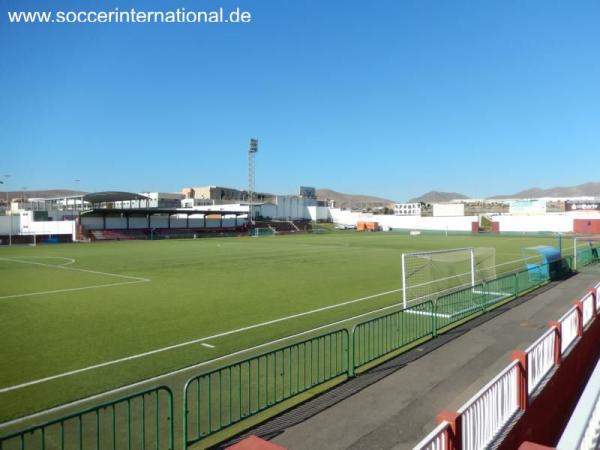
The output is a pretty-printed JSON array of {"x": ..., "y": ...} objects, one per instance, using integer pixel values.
[
  {"x": 123, "y": 215},
  {"x": 117, "y": 215}
]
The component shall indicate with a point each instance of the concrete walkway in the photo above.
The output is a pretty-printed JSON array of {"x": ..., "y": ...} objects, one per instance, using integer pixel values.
[{"x": 399, "y": 410}]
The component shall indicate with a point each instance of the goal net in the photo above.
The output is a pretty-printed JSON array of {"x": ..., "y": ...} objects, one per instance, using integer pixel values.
[
  {"x": 426, "y": 275},
  {"x": 263, "y": 231},
  {"x": 583, "y": 250}
]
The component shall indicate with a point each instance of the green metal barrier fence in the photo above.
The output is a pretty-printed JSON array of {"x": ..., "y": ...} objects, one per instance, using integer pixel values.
[
  {"x": 584, "y": 257},
  {"x": 459, "y": 305},
  {"x": 382, "y": 335},
  {"x": 139, "y": 421},
  {"x": 456, "y": 306},
  {"x": 227, "y": 395},
  {"x": 500, "y": 289}
]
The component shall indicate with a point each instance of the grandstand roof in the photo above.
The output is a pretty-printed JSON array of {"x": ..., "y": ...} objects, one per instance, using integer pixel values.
[
  {"x": 157, "y": 211},
  {"x": 112, "y": 196}
]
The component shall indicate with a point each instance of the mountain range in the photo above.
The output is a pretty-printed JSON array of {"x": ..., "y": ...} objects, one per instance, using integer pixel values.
[
  {"x": 437, "y": 197},
  {"x": 591, "y": 189},
  {"x": 581, "y": 190},
  {"x": 344, "y": 200},
  {"x": 356, "y": 201},
  {"x": 44, "y": 193}
]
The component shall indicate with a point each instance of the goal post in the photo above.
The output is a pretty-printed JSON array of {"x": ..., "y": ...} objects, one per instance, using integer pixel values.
[
  {"x": 428, "y": 274},
  {"x": 263, "y": 231},
  {"x": 581, "y": 249}
]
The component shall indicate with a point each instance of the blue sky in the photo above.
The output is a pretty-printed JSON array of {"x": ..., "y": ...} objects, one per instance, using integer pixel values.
[{"x": 390, "y": 98}]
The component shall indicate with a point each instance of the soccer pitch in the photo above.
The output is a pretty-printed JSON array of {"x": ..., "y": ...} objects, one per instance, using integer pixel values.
[{"x": 79, "y": 319}]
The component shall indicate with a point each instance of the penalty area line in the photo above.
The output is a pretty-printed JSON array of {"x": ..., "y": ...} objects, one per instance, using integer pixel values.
[
  {"x": 64, "y": 266},
  {"x": 75, "y": 269},
  {"x": 82, "y": 288}
]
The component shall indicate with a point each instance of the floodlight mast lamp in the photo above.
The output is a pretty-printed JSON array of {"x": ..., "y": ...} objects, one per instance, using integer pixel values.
[{"x": 252, "y": 149}]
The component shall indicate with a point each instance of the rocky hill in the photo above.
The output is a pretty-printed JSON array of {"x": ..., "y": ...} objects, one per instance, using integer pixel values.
[
  {"x": 437, "y": 197},
  {"x": 582, "y": 190},
  {"x": 353, "y": 201}
]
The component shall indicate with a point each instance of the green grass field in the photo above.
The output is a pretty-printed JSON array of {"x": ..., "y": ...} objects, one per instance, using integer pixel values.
[{"x": 82, "y": 307}]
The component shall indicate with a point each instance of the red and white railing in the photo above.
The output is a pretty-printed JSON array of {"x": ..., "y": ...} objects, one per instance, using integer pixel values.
[
  {"x": 541, "y": 358},
  {"x": 479, "y": 421},
  {"x": 588, "y": 308},
  {"x": 490, "y": 409},
  {"x": 569, "y": 328},
  {"x": 438, "y": 439}
]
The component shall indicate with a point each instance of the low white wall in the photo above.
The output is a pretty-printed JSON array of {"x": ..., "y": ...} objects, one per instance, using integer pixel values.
[
  {"x": 558, "y": 223},
  {"x": 459, "y": 223},
  {"x": 448, "y": 209},
  {"x": 343, "y": 217}
]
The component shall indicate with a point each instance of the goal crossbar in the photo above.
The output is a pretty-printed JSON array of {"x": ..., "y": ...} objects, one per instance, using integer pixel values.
[{"x": 433, "y": 252}]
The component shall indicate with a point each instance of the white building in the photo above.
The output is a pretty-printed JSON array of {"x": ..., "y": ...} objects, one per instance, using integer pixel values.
[
  {"x": 536, "y": 206},
  {"x": 153, "y": 200},
  {"x": 319, "y": 213},
  {"x": 407, "y": 209},
  {"x": 23, "y": 224},
  {"x": 288, "y": 207}
]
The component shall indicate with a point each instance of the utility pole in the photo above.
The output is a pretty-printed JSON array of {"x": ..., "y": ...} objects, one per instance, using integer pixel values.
[
  {"x": 7, "y": 176},
  {"x": 252, "y": 149},
  {"x": 80, "y": 206}
]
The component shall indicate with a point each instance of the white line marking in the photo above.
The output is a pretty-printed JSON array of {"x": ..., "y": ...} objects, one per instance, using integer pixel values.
[
  {"x": 83, "y": 288},
  {"x": 156, "y": 378},
  {"x": 133, "y": 280},
  {"x": 54, "y": 266},
  {"x": 204, "y": 344},
  {"x": 128, "y": 387},
  {"x": 200, "y": 340},
  {"x": 68, "y": 262}
]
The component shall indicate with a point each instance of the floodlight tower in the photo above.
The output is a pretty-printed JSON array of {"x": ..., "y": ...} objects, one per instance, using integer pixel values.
[{"x": 252, "y": 149}]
